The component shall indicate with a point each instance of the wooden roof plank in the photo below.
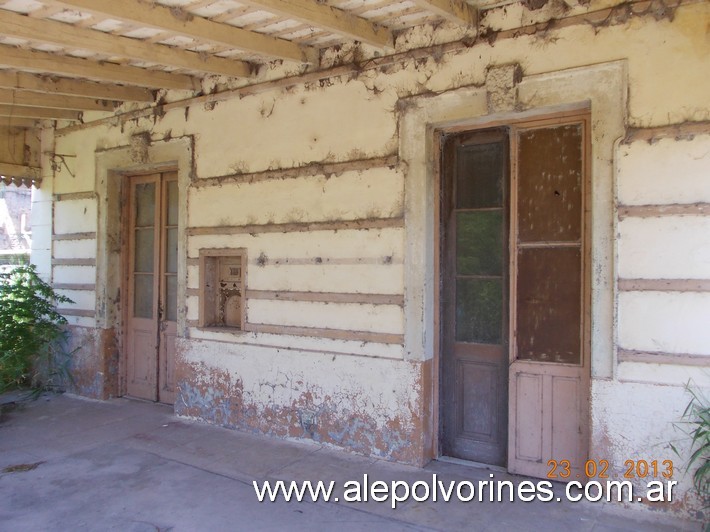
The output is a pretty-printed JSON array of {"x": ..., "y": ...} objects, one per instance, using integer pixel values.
[
  {"x": 12, "y": 122},
  {"x": 68, "y": 35},
  {"x": 457, "y": 11},
  {"x": 336, "y": 20},
  {"x": 19, "y": 171},
  {"x": 42, "y": 62},
  {"x": 55, "y": 101},
  {"x": 72, "y": 87},
  {"x": 39, "y": 112},
  {"x": 160, "y": 17}
]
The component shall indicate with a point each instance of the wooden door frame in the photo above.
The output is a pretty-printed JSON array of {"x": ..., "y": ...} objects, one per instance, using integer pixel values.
[
  {"x": 124, "y": 264},
  {"x": 529, "y": 118}
]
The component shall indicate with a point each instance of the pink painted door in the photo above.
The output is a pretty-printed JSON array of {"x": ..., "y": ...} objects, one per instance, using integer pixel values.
[
  {"x": 549, "y": 362},
  {"x": 151, "y": 285},
  {"x": 168, "y": 289}
]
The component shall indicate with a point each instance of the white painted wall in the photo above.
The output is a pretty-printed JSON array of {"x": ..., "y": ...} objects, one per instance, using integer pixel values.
[{"x": 667, "y": 79}]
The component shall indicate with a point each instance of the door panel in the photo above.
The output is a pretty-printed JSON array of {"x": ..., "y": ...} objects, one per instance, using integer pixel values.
[
  {"x": 528, "y": 429},
  {"x": 168, "y": 289},
  {"x": 474, "y": 247},
  {"x": 482, "y": 387},
  {"x": 567, "y": 393},
  {"x": 549, "y": 184},
  {"x": 141, "y": 372},
  {"x": 549, "y": 370},
  {"x": 142, "y": 330},
  {"x": 548, "y": 305},
  {"x": 151, "y": 285}
]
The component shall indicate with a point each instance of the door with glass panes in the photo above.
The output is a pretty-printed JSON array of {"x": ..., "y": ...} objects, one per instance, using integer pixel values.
[
  {"x": 514, "y": 363},
  {"x": 151, "y": 286}
]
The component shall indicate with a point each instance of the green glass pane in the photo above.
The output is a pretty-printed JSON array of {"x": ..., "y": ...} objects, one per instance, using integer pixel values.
[
  {"x": 143, "y": 296},
  {"x": 479, "y": 175},
  {"x": 172, "y": 203},
  {"x": 171, "y": 250},
  {"x": 479, "y": 311},
  {"x": 171, "y": 297},
  {"x": 479, "y": 243},
  {"x": 145, "y": 204},
  {"x": 143, "y": 260}
]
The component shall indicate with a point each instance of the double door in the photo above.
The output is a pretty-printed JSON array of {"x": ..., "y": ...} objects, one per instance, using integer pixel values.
[
  {"x": 151, "y": 286},
  {"x": 514, "y": 364}
]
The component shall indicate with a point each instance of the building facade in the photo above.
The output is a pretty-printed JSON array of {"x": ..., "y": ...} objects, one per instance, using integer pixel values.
[{"x": 496, "y": 249}]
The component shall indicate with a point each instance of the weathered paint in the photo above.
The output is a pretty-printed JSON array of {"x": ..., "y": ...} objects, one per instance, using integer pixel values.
[
  {"x": 642, "y": 427},
  {"x": 94, "y": 363},
  {"x": 348, "y": 402},
  {"x": 636, "y": 70}
]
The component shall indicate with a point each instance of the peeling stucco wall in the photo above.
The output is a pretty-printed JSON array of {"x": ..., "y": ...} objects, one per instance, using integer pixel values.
[
  {"x": 289, "y": 158},
  {"x": 368, "y": 405}
]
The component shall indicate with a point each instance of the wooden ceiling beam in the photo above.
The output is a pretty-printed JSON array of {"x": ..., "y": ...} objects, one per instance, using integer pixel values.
[
  {"x": 164, "y": 18},
  {"x": 12, "y": 121},
  {"x": 336, "y": 20},
  {"x": 55, "y": 101},
  {"x": 39, "y": 112},
  {"x": 71, "y": 87},
  {"x": 457, "y": 11},
  {"x": 19, "y": 171},
  {"x": 43, "y": 62},
  {"x": 45, "y": 11},
  {"x": 74, "y": 37}
]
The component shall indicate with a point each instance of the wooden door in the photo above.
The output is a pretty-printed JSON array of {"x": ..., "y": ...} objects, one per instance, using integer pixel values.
[
  {"x": 514, "y": 387},
  {"x": 151, "y": 285},
  {"x": 549, "y": 370},
  {"x": 474, "y": 370}
]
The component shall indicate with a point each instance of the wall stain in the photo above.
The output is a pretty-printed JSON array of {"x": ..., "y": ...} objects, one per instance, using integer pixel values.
[{"x": 216, "y": 396}]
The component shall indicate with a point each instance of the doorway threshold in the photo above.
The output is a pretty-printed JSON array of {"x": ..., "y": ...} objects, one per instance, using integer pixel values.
[{"x": 470, "y": 463}]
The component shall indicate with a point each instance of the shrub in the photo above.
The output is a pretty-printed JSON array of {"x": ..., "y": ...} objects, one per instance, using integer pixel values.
[
  {"x": 695, "y": 423},
  {"x": 30, "y": 328}
]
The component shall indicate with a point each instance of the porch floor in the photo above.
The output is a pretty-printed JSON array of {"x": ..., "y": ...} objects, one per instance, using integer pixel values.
[{"x": 133, "y": 466}]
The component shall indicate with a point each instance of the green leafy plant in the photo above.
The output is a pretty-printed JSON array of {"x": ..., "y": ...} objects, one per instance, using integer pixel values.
[
  {"x": 695, "y": 423},
  {"x": 31, "y": 332}
]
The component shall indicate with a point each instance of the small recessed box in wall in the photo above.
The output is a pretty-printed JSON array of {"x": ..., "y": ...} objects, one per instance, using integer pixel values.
[{"x": 222, "y": 284}]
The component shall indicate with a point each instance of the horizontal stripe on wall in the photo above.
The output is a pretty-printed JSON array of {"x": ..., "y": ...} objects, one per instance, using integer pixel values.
[
  {"x": 653, "y": 211},
  {"x": 664, "y": 285},
  {"x": 685, "y": 130},
  {"x": 331, "y": 334},
  {"x": 317, "y": 261},
  {"x": 75, "y": 196},
  {"x": 298, "y": 227},
  {"x": 75, "y": 236},
  {"x": 649, "y": 357},
  {"x": 74, "y": 286},
  {"x": 73, "y": 262},
  {"x": 82, "y": 313},
  {"x": 327, "y": 297},
  {"x": 318, "y": 297},
  {"x": 307, "y": 170}
]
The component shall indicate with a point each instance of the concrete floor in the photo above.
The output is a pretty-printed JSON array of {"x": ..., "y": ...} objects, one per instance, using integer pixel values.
[{"x": 133, "y": 466}]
